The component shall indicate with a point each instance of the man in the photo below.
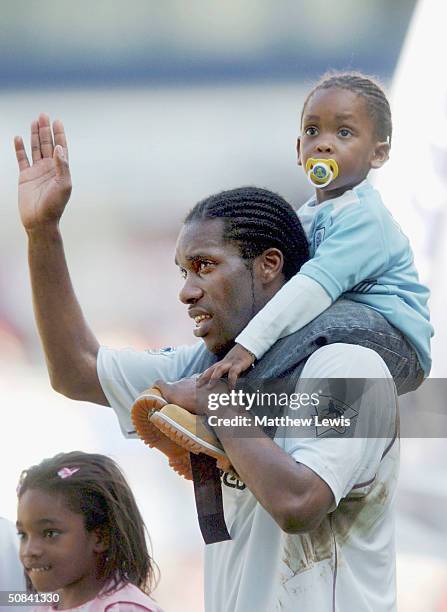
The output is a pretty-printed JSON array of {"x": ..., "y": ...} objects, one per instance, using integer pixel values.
[{"x": 311, "y": 519}]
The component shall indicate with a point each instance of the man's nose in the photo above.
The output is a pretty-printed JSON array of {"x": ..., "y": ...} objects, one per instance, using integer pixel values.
[{"x": 190, "y": 292}]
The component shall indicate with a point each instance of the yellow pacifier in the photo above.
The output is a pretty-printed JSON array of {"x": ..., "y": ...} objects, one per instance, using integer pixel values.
[{"x": 321, "y": 172}]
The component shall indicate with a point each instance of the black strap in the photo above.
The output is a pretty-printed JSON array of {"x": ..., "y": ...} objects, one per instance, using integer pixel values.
[{"x": 208, "y": 494}]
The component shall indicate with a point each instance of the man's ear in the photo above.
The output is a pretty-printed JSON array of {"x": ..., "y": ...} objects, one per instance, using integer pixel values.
[
  {"x": 298, "y": 154},
  {"x": 102, "y": 540},
  {"x": 380, "y": 154},
  {"x": 270, "y": 264}
]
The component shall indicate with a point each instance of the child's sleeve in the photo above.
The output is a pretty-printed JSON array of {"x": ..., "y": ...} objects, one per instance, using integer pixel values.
[
  {"x": 353, "y": 250},
  {"x": 297, "y": 303}
]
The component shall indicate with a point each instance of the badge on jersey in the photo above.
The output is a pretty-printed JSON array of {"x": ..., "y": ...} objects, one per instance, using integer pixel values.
[
  {"x": 167, "y": 350},
  {"x": 334, "y": 418},
  {"x": 318, "y": 237}
]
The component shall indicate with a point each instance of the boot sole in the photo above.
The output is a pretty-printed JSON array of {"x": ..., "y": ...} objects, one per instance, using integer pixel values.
[
  {"x": 185, "y": 438},
  {"x": 145, "y": 406}
]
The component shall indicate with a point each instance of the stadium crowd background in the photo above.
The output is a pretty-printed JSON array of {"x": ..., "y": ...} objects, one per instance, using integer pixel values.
[{"x": 163, "y": 104}]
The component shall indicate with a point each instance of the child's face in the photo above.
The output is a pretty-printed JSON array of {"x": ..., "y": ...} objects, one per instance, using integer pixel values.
[
  {"x": 336, "y": 124},
  {"x": 57, "y": 552}
]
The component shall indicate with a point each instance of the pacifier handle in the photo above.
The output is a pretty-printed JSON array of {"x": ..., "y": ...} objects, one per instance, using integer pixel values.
[
  {"x": 329, "y": 165},
  {"x": 320, "y": 185}
]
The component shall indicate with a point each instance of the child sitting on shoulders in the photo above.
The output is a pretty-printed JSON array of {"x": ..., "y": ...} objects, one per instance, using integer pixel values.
[{"x": 357, "y": 249}]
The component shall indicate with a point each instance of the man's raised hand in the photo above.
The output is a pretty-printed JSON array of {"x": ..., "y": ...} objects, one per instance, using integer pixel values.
[{"x": 44, "y": 186}]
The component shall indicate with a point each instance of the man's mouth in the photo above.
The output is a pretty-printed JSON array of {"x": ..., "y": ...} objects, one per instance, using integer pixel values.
[
  {"x": 202, "y": 317},
  {"x": 203, "y": 323}
]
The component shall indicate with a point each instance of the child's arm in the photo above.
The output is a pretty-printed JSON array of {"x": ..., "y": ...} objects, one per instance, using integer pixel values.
[
  {"x": 302, "y": 296},
  {"x": 353, "y": 250},
  {"x": 298, "y": 302}
]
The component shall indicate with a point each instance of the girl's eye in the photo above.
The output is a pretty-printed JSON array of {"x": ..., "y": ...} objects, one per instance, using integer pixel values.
[
  {"x": 311, "y": 131},
  {"x": 182, "y": 272},
  {"x": 50, "y": 533},
  {"x": 21, "y": 535},
  {"x": 345, "y": 133}
]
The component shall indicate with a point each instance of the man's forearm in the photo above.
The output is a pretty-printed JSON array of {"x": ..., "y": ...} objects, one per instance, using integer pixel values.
[
  {"x": 69, "y": 345},
  {"x": 296, "y": 497}
]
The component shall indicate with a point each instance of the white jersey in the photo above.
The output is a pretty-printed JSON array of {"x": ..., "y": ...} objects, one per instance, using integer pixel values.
[
  {"x": 124, "y": 374},
  {"x": 348, "y": 563}
]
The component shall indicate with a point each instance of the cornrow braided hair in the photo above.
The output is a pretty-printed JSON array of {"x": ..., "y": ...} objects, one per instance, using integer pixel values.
[
  {"x": 97, "y": 490},
  {"x": 257, "y": 219},
  {"x": 367, "y": 87}
]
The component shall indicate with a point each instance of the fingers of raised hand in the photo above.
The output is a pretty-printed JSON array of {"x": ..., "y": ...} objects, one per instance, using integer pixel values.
[
  {"x": 45, "y": 136},
  {"x": 21, "y": 155},
  {"x": 59, "y": 136},
  {"x": 42, "y": 141},
  {"x": 62, "y": 168},
  {"x": 36, "y": 153}
]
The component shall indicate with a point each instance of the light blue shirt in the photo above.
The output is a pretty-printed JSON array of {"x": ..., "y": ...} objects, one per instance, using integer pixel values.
[{"x": 357, "y": 249}]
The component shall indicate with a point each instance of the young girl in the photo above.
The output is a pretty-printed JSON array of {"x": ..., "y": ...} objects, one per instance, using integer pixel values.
[
  {"x": 356, "y": 247},
  {"x": 82, "y": 535}
]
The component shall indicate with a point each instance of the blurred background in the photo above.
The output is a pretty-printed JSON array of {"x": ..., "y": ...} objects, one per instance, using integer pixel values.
[{"x": 165, "y": 103}]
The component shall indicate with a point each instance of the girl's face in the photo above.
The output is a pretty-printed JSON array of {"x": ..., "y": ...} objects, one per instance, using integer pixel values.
[
  {"x": 336, "y": 124},
  {"x": 57, "y": 552}
]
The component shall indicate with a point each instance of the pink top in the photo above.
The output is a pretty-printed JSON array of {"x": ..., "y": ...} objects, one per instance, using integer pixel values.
[{"x": 128, "y": 598}]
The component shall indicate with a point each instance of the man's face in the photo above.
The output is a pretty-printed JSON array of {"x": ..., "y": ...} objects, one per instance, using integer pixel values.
[
  {"x": 219, "y": 288},
  {"x": 336, "y": 124}
]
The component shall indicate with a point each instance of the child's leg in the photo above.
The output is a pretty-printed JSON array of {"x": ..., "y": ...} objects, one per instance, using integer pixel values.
[
  {"x": 400, "y": 358},
  {"x": 354, "y": 323},
  {"x": 414, "y": 373}
]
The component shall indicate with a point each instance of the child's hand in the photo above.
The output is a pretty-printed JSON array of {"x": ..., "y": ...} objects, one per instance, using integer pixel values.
[{"x": 235, "y": 361}]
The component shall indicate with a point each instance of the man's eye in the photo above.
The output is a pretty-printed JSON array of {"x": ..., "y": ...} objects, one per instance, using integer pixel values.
[
  {"x": 204, "y": 266},
  {"x": 182, "y": 272},
  {"x": 311, "y": 131},
  {"x": 21, "y": 535},
  {"x": 344, "y": 132}
]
